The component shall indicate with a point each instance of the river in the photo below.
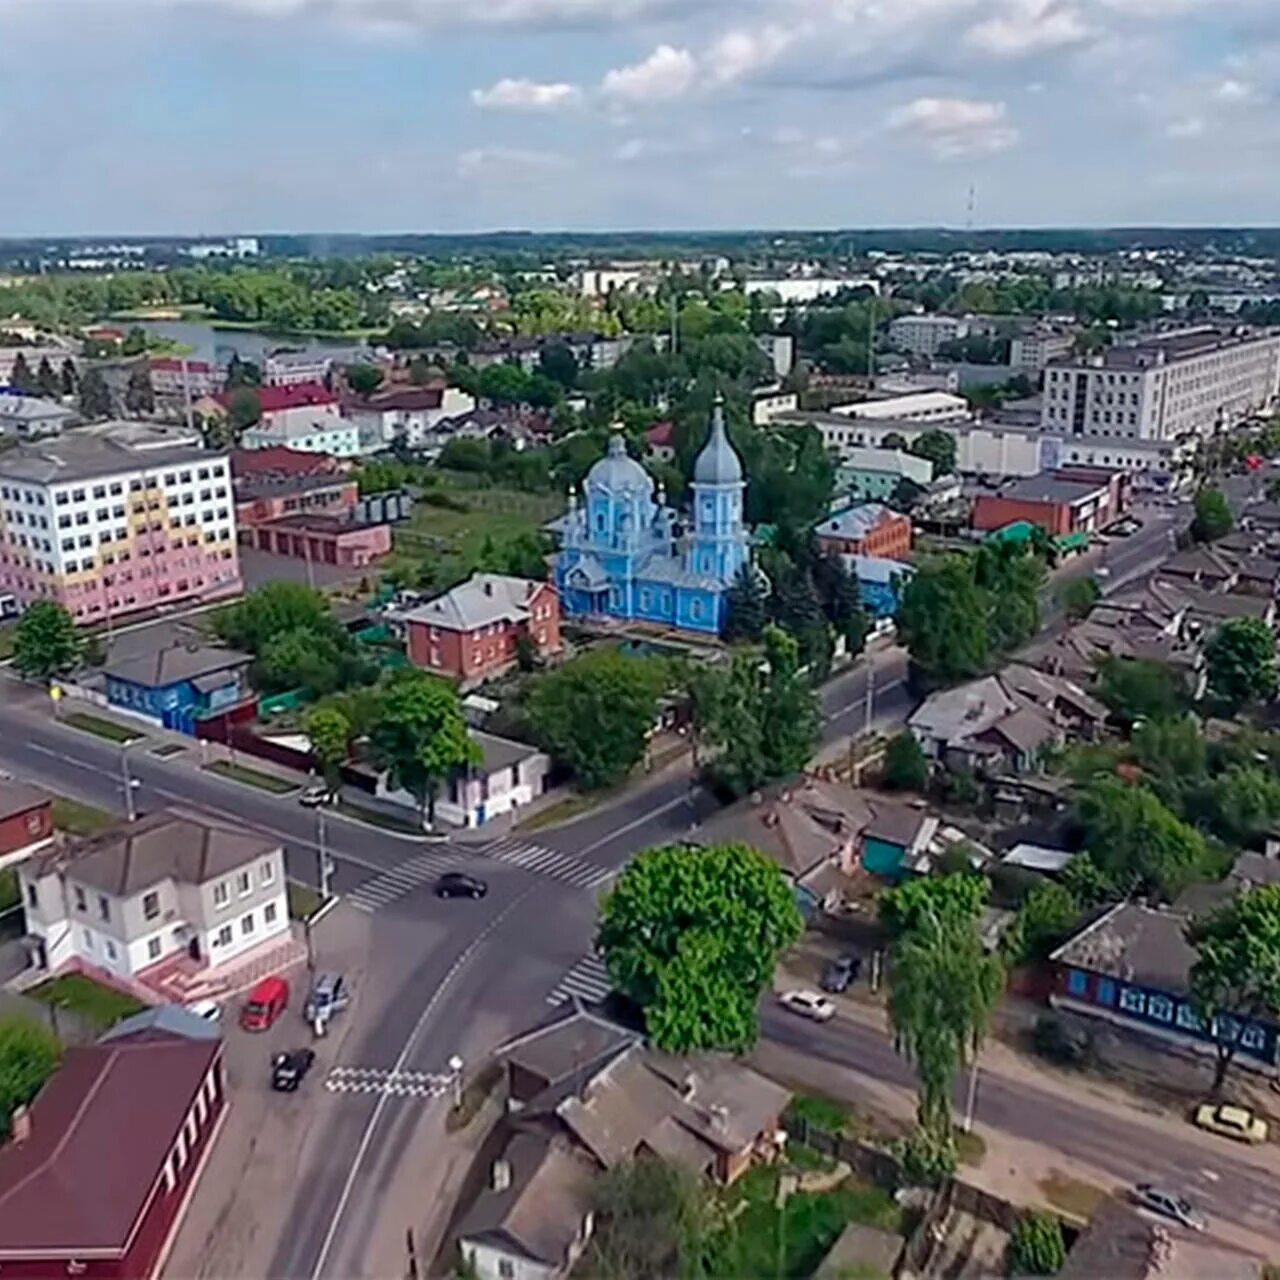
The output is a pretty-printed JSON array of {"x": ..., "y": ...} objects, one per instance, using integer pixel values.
[{"x": 211, "y": 343}]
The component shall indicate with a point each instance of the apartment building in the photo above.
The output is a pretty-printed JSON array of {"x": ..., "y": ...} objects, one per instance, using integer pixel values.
[
  {"x": 177, "y": 376},
  {"x": 1029, "y": 352},
  {"x": 295, "y": 368},
  {"x": 115, "y": 518},
  {"x": 916, "y": 406},
  {"x": 1189, "y": 383},
  {"x": 924, "y": 335},
  {"x": 168, "y": 885}
]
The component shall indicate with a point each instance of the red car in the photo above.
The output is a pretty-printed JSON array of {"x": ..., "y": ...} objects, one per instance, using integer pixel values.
[{"x": 266, "y": 1002}]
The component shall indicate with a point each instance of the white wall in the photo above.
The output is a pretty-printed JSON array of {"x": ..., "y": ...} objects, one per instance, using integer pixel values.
[{"x": 485, "y": 1260}]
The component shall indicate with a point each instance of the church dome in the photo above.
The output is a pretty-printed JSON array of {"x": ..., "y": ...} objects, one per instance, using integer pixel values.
[
  {"x": 718, "y": 463},
  {"x": 620, "y": 473}
]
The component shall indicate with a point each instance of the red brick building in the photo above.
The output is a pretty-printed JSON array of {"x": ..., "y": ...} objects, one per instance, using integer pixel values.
[
  {"x": 1060, "y": 505},
  {"x": 322, "y": 539},
  {"x": 866, "y": 530},
  {"x": 470, "y": 633},
  {"x": 26, "y": 820},
  {"x": 95, "y": 1182}
]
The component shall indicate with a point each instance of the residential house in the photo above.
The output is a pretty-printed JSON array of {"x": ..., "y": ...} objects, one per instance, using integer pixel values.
[
  {"x": 180, "y": 378},
  {"x": 168, "y": 885},
  {"x": 29, "y": 417},
  {"x": 880, "y": 582},
  {"x": 1249, "y": 871},
  {"x": 1200, "y": 566},
  {"x": 98, "y": 1171},
  {"x": 874, "y": 475},
  {"x": 407, "y": 416},
  {"x": 310, "y": 430},
  {"x": 1131, "y": 967},
  {"x": 472, "y": 632},
  {"x": 510, "y": 775},
  {"x": 26, "y": 820},
  {"x": 865, "y": 529},
  {"x": 179, "y": 685},
  {"x": 898, "y": 841},
  {"x": 660, "y": 442},
  {"x": 294, "y": 368},
  {"x": 318, "y": 400},
  {"x": 1209, "y": 610}
]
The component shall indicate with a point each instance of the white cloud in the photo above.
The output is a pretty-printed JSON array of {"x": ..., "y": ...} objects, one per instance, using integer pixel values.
[
  {"x": 665, "y": 74},
  {"x": 508, "y": 161},
  {"x": 955, "y": 127},
  {"x": 1234, "y": 91},
  {"x": 737, "y": 54},
  {"x": 1187, "y": 127},
  {"x": 526, "y": 95},
  {"x": 1029, "y": 26}
]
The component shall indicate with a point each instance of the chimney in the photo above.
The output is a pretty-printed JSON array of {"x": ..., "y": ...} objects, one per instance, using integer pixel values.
[
  {"x": 20, "y": 1125},
  {"x": 719, "y": 1116},
  {"x": 500, "y": 1175},
  {"x": 488, "y": 588}
]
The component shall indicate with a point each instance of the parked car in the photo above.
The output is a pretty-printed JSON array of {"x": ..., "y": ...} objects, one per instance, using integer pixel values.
[
  {"x": 316, "y": 795},
  {"x": 1232, "y": 1122},
  {"x": 209, "y": 1010},
  {"x": 288, "y": 1070},
  {"x": 808, "y": 1004},
  {"x": 454, "y": 884},
  {"x": 840, "y": 974},
  {"x": 1168, "y": 1204},
  {"x": 328, "y": 996},
  {"x": 266, "y": 1002}
]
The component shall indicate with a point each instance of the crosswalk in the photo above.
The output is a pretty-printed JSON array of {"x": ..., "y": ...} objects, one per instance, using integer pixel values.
[
  {"x": 399, "y": 1084},
  {"x": 400, "y": 880},
  {"x": 587, "y": 981},
  {"x": 548, "y": 862}
]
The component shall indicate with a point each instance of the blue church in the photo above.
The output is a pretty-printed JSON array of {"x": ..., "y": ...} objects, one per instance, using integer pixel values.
[{"x": 625, "y": 557}]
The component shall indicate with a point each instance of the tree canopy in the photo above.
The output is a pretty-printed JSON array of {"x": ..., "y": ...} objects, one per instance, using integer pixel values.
[
  {"x": 1213, "y": 519},
  {"x": 29, "y": 1055},
  {"x": 46, "y": 641},
  {"x": 1241, "y": 663},
  {"x": 329, "y": 732},
  {"x": 692, "y": 935},
  {"x": 938, "y": 447},
  {"x": 1140, "y": 688},
  {"x": 906, "y": 768}
]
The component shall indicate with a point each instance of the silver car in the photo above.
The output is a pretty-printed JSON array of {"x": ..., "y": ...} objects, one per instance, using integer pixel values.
[{"x": 1168, "y": 1204}]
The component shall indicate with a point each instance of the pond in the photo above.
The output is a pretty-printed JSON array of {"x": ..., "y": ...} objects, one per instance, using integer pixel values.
[{"x": 209, "y": 342}]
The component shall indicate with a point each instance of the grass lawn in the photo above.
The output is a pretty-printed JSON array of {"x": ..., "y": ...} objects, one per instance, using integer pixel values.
[
  {"x": 758, "y": 1240},
  {"x": 970, "y": 1147},
  {"x": 96, "y": 725},
  {"x": 251, "y": 777},
  {"x": 78, "y": 819},
  {"x": 304, "y": 901},
  {"x": 500, "y": 514},
  {"x": 8, "y": 635},
  {"x": 101, "y": 1005},
  {"x": 824, "y": 1112}
]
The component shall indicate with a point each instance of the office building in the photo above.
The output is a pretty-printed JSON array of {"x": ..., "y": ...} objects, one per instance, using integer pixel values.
[
  {"x": 1189, "y": 383},
  {"x": 115, "y": 518},
  {"x": 923, "y": 335}
]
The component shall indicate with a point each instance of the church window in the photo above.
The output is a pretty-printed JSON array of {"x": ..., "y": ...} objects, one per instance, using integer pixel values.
[
  {"x": 645, "y": 598},
  {"x": 695, "y": 609},
  {"x": 600, "y": 522}
]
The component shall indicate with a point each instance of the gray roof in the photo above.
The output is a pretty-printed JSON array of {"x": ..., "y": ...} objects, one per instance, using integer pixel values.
[
  {"x": 1047, "y": 488},
  {"x": 166, "y": 845},
  {"x": 170, "y": 1018},
  {"x": 718, "y": 463},
  {"x": 18, "y": 797},
  {"x": 853, "y": 522},
  {"x": 617, "y": 472},
  {"x": 861, "y": 1250},
  {"x": 669, "y": 570},
  {"x": 539, "y": 1215},
  {"x": 897, "y": 824},
  {"x": 501, "y": 753},
  {"x": 572, "y": 1042},
  {"x": 483, "y": 599},
  {"x": 1026, "y": 729},
  {"x": 176, "y": 664},
  {"x": 1213, "y": 605},
  {"x": 1135, "y": 943},
  {"x": 102, "y": 450},
  {"x": 32, "y": 409}
]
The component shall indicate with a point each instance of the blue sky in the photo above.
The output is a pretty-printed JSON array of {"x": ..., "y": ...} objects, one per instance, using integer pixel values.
[{"x": 211, "y": 116}]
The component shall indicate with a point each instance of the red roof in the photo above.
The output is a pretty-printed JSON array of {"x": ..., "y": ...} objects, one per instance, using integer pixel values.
[
  {"x": 407, "y": 399},
  {"x": 101, "y": 1130},
  {"x": 278, "y": 460},
  {"x": 661, "y": 435},
  {"x": 297, "y": 396},
  {"x": 173, "y": 364}
]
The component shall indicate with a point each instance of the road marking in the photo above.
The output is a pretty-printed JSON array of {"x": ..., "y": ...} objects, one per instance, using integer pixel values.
[
  {"x": 396, "y": 1084},
  {"x": 399, "y": 881},
  {"x": 588, "y": 980},
  {"x": 631, "y": 826},
  {"x": 543, "y": 861}
]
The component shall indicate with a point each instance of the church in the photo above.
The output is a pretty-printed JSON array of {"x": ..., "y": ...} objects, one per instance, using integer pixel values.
[{"x": 624, "y": 555}]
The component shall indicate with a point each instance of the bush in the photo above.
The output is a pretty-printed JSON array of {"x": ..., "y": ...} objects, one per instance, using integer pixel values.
[
  {"x": 926, "y": 1160},
  {"x": 28, "y": 1057},
  {"x": 905, "y": 765},
  {"x": 1036, "y": 1247},
  {"x": 1053, "y": 1039},
  {"x": 1012, "y": 886}
]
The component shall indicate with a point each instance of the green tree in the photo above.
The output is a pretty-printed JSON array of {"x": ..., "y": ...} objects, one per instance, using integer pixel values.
[
  {"x": 1244, "y": 802},
  {"x": 943, "y": 986},
  {"x": 1036, "y": 1246},
  {"x": 244, "y": 409},
  {"x": 46, "y": 642},
  {"x": 364, "y": 379},
  {"x": 942, "y": 620},
  {"x": 1077, "y": 597},
  {"x": 47, "y": 383},
  {"x": 1236, "y": 976},
  {"x": 69, "y": 378},
  {"x": 270, "y": 611},
  {"x": 139, "y": 395},
  {"x": 21, "y": 378},
  {"x": 557, "y": 362},
  {"x": 938, "y": 447},
  {"x": 1140, "y": 688},
  {"x": 1173, "y": 756},
  {"x": 95, "y": 396},
  {"x": 420, "y": 737},
  {"x": 1213, "y": 519},
  {"x": 746, "y": 607},
  {"x": 1136, "y": 842},
  {"x": 692, "y": 936},
  {"x": 595, "y": 713},
  {"x": 1240, "y": 662},
  {"x": 29, "y": 1055},
  {"x": 906, "y": 768},
  {"x": 1044, "y": 921},
  {"x": 329, "y": 732}
]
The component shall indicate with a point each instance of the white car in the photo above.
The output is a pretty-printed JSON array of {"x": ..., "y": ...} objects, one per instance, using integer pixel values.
[
  {"x": 808, "y": 1004},
  {"x": 209, "y": 1010}
]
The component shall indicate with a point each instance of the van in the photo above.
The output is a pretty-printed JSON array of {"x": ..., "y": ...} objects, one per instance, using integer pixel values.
[{"x": 266, "y": 1002}]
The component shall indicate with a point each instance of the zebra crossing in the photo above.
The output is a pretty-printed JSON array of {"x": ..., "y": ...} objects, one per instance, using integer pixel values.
[
  {"x": 399, "y": 1084},
  {"x": 587, "y": 981},
  {"x": 398, "y": 881},
  {"x": 548, "y": 862}
]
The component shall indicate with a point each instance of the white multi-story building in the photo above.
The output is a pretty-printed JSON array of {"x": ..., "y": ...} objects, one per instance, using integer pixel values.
[
  {"x": 1029, "y": 352},
  {"x": 1189, "y": 383},
  {"x": 293, "y": 368},
  {"x": 115, "y": 518},
  {"x": 922, "y": 335},
  {"x": 916, "y": 406},
  {"x": 307, "y": 429}
]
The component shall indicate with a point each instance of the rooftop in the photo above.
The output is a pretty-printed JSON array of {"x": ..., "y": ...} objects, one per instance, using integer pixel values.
[
  {"x": 297, "y": 396},
  {"x": 278, "y": 460},
  {"x": 482, "y": 599},
  {"x": 857, "y": 521},
  {"x": 1138, "y": 944},
  {"x": 175, "y": 665},
  {"x": 1048, "y": 488},
  {"x": 20, "y": 797},
  {"x": 101, "y": 450}
]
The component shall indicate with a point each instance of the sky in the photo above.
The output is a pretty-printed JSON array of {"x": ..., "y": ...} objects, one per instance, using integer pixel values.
[{"x": 217, "y": 116}]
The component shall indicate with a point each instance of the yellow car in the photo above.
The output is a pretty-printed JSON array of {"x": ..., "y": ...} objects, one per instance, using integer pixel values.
[{"x": 1232, "y": 1122}]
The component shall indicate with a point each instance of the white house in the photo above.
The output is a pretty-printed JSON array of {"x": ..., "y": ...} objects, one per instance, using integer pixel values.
[
  {"x": 308, "y": 431},
  {"x": 407, "y": 416}
]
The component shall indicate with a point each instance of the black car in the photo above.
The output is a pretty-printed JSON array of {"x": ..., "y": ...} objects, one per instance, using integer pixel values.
[
  {"x": 840, "y": 974},
  {"x": 289, "y": 1069},
  {"x": 454, "y": 884}
]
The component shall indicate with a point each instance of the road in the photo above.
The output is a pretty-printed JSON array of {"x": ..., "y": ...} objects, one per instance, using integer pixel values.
[{"x": 440, "y": 978}]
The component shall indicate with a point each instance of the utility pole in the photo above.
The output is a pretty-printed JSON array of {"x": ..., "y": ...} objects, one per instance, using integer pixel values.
[
  {"x": 871, "y": 696},
  {"x": 967, "y": 1124},
  {"x": 126, "y": 781},
  {"x": 326, "y": 867}
]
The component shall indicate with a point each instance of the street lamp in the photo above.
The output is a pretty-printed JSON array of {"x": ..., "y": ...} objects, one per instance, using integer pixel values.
[
  {"x": 455, "y": 1069},
  {"x": 326, "y": 863},
  {"x": 128, "y": 783}
]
